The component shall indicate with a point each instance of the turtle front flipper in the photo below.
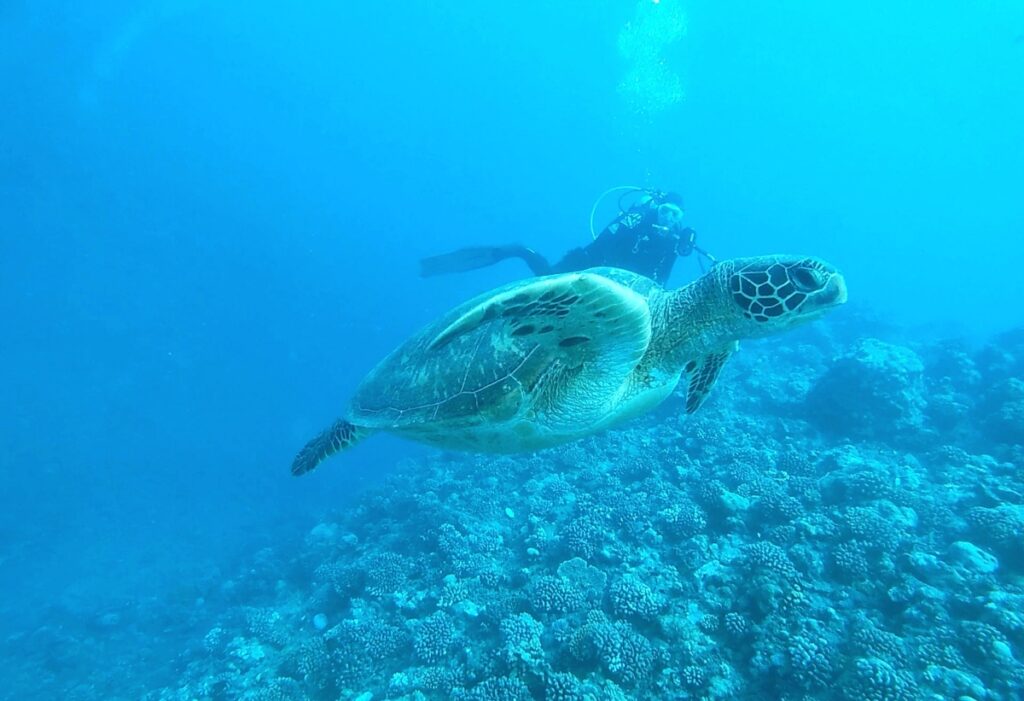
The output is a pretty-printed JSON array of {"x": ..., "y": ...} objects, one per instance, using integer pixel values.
[
  {"x": 703, "y": 373},
  {"x": 340, "y": 436},
  {"x": 566, "y": 310}
]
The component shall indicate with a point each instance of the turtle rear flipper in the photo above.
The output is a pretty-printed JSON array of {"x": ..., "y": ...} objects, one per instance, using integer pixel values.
[{"x": 340, "y": 436}]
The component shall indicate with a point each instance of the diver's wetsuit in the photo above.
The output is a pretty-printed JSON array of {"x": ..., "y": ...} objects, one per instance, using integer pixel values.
[{"x": 633, "y": 241}]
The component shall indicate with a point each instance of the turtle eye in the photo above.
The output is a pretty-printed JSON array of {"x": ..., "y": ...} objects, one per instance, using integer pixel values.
[{"x": 806, "y": 279}]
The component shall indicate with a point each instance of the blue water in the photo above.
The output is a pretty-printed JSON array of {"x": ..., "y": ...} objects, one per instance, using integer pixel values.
[{"x": 211, "y": 216}]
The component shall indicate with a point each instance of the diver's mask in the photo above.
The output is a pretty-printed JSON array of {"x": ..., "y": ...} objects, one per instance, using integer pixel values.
[{"x": 670, "y": 218}]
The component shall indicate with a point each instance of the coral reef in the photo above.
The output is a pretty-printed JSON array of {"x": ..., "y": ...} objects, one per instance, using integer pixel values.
[
  {"x": 837, "y": 531},
  {"x": 876, "y": 390}
]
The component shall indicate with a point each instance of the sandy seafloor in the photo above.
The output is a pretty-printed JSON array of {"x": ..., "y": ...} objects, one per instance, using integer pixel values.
[{"x": 842, "y": 520}]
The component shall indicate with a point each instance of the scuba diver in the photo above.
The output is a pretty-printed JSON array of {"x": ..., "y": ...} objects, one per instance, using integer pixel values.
[{"x": 645, "y": 239}]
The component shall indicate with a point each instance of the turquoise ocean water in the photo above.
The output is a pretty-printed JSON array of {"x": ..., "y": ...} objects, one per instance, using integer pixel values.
[{"x": 211, "y": 217}]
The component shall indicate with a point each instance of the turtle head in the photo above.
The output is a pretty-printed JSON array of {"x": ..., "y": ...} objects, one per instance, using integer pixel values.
[{"x": 774, "y": 293}]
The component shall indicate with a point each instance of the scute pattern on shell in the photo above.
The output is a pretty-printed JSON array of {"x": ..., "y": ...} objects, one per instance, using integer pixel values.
[{"x": 473, "y": 378}]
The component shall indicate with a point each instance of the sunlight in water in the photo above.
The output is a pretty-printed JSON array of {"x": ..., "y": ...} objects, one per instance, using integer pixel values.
[
  {"x": 112, "y": 54},
  {"x": 650, "y": 86}
]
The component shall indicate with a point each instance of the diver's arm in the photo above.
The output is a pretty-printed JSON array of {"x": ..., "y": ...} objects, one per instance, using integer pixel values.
[{"x": 687, "y": 242}]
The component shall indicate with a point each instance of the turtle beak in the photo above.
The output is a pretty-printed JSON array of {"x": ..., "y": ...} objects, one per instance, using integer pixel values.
[
  {"x": 827, "y": 298},
  {"x": 834, "y": 293}
]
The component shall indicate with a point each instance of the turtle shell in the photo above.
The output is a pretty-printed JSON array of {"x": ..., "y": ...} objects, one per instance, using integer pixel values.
[{"x": 482, "y": 376}]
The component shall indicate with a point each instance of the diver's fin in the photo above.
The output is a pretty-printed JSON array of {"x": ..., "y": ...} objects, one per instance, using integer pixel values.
[
  {"x": 341, "y": 435},
  {"x": 463, "y": 260},
  {"x": 703, "y": 373}
]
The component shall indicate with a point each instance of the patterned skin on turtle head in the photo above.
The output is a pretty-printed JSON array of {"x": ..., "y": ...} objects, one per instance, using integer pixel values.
[{"x": 775, "y": 290}]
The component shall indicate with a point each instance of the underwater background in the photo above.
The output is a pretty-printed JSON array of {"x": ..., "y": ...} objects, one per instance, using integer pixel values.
[{"x": 211, "y": 216}]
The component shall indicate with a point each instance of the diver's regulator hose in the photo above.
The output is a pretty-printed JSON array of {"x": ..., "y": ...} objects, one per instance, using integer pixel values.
[{"x": 602, "y": 196}]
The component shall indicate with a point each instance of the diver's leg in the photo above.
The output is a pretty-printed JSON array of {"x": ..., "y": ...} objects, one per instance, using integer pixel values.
[
  {"x": 573, "y": 261},
  {"x": 537, "y": 263}
]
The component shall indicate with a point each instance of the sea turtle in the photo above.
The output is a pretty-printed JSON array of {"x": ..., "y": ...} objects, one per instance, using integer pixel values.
[{"x": 548, "y": 360}]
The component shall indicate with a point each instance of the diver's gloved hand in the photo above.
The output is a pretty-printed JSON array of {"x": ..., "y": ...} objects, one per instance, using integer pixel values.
[{"x": 687, "y": 242}]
